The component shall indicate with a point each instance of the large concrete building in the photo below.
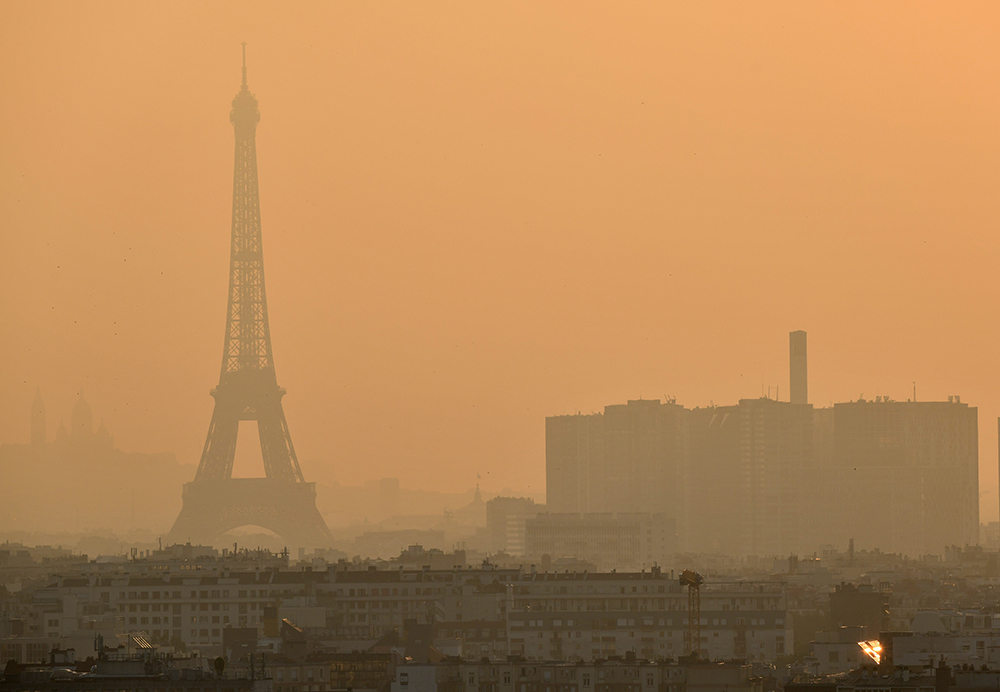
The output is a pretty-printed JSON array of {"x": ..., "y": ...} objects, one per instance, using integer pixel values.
[
  {"x": 902, "y": 476},
  {"x": 767, "y": 477},
  {"x": 628, "y": 459}
]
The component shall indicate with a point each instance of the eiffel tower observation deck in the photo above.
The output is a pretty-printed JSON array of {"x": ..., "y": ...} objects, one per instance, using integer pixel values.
[{"x": 215, "y": 502}]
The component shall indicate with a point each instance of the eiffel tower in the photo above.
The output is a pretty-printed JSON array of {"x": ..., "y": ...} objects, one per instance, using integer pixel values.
[{"x": 215, "y": 502}]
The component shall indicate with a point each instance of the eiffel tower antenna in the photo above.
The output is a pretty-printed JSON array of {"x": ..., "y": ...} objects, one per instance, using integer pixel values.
[{"x": 248, "y": 390}]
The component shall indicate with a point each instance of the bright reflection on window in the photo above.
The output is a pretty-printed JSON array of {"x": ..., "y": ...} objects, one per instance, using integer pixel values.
[{"x": 873, "y": 648}]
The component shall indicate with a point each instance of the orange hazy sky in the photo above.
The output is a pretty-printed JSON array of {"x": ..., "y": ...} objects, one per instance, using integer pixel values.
[{"x": 479, "y": 214}]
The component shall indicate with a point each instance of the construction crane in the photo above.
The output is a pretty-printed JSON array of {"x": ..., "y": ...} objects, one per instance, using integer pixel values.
[{"x": 692, "y": 638}]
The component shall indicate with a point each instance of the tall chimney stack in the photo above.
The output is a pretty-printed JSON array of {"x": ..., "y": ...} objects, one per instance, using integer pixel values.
[{"x": 797, "y": 369}]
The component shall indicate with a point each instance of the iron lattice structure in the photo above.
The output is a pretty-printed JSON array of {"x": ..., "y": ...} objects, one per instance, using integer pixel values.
[{"x": 248, "y": 388}]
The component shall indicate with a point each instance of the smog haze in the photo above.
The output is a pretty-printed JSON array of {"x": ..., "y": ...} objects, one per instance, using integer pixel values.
[{"x": 476, "y": 216}]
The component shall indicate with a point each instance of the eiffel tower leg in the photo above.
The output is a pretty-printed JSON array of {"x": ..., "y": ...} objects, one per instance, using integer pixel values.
[
  {"x": 220, "y": 447},
  {"x": 273, "y": 450}
]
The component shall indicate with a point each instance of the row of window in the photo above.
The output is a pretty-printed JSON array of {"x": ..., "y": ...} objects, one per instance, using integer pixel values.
[
  {"x": 361, "y": 593},
  {"x": 176, "y": 595},
  {"x": 176, "y": 607}
]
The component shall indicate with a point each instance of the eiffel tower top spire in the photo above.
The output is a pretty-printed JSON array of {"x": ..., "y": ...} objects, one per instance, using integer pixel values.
[{"x": 245, "y": 115}]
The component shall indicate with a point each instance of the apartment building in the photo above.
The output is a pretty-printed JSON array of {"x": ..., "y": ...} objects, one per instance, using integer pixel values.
[
  {"x": 541, "y": 615},
  {"x": 631, "y": 674}
]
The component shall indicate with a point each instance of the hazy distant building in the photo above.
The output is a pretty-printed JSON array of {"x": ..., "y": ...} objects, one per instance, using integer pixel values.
[
  {"x": 767, "y": 477},
  {"x": 729, "y": 478},
  {"x": 386, "y": 494},
  {"x": 713, "y": 484},
  {"x": 610, "y": 541},
  {"x": 644, "y": 449},
  {"x": 573, "y": 457},
  {"x": 505, "y": 523},
  {"x": 798, "y": 368},
  {"x": 38, "y": 432},
  {"x": 628, "y": 459},
  {"x": 775, "y": 452},
  {"x": 79, "y": 479},
  {"x": 901, "y": 476}
]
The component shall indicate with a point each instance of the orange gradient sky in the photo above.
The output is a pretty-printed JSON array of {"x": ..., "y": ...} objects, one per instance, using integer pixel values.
[{"x": 479, "y": 214}]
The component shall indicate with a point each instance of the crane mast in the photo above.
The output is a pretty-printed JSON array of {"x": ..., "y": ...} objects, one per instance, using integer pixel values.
[{"x": 692, "y": 637}]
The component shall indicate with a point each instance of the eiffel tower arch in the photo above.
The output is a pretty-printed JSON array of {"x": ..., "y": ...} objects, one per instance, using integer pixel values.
[{"x": 215, "y": 502}]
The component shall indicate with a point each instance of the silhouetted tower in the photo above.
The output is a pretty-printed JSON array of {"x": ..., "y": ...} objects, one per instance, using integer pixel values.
[
  {"x": 798, "y": 372},
  {"x": 81, "y": 421},
  {"x": 38, "y": 434},
  {"x": 248, "y": 389}
]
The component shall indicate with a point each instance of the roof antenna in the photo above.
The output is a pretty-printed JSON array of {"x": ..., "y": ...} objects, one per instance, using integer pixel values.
[{"x": 244, "y": 63}]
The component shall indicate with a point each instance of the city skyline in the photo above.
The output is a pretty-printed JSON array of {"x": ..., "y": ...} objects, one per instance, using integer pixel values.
[{"x": 459, "y": 249}]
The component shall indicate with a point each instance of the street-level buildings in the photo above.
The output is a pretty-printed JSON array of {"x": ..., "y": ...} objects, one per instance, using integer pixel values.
[{"x": 529, "y": 613}]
